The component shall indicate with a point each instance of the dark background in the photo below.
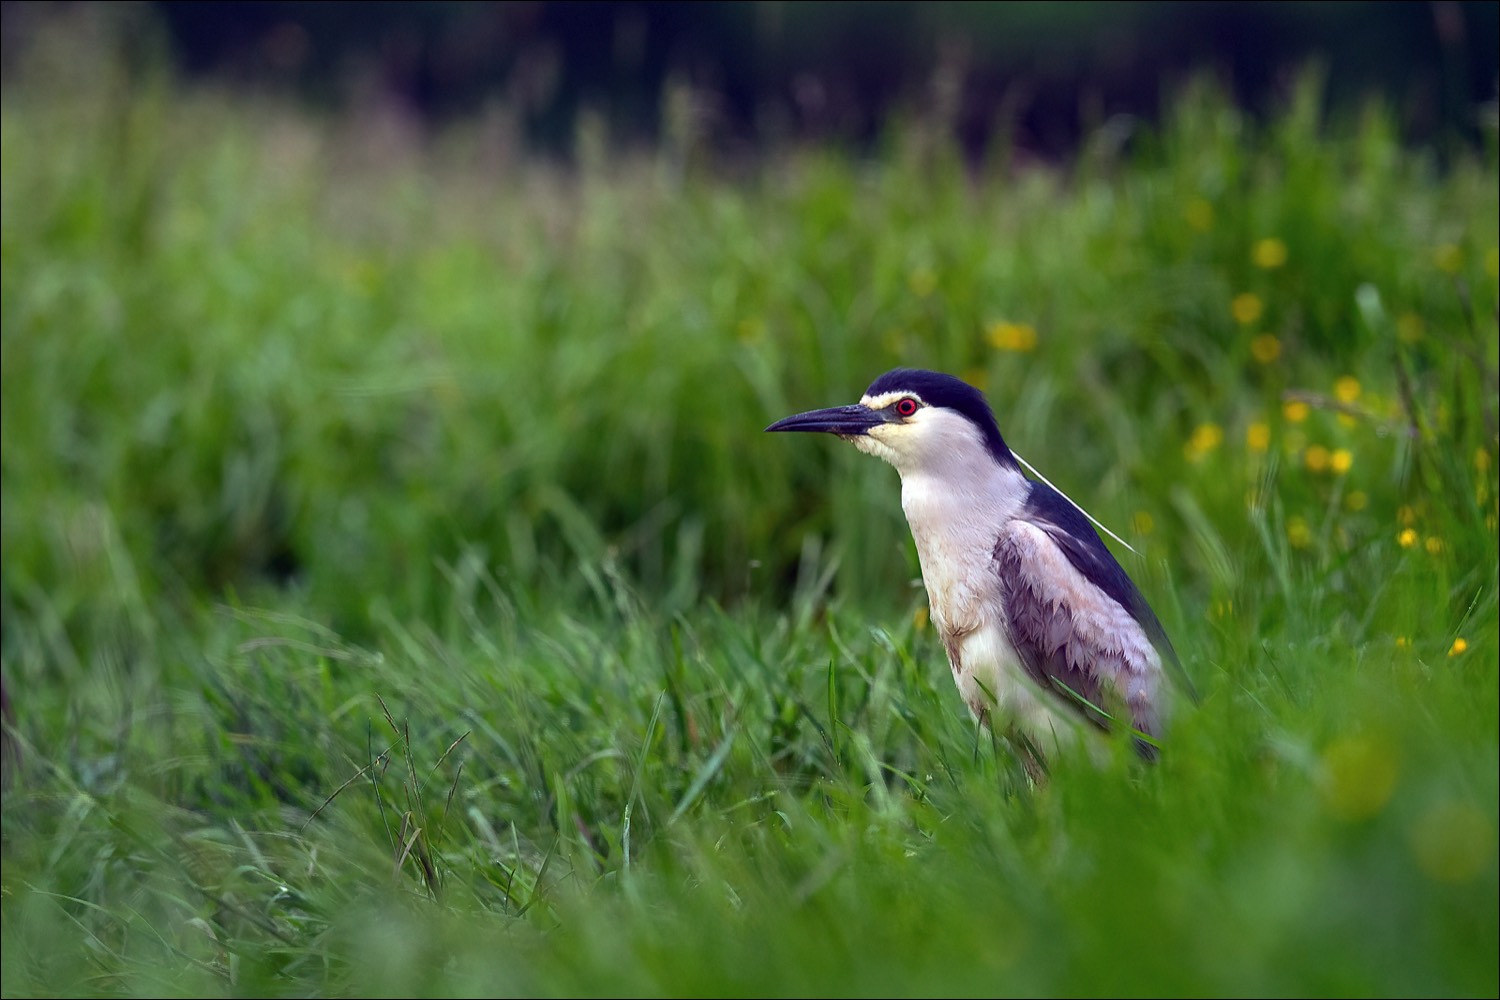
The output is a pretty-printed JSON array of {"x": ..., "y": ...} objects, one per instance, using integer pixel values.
[{"x": 749, "y": 74}]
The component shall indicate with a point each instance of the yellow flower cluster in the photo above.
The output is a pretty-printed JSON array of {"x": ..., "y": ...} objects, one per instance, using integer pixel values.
[
  {"x": 1409, "y": 538},
  {"x": 1268, "y": 254},
  {"x": 1317, "y": 458}
]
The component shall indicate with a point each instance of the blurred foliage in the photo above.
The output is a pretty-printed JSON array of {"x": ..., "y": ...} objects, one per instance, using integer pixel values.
[
  {"x": 399, "y": 594},
  {"x": 240, "y": 345}
]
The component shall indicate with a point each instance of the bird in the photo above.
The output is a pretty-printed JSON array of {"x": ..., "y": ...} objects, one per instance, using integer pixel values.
[{"x": 1046, "y": 634}]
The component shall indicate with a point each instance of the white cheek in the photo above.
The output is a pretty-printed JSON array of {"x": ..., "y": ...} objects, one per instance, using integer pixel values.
[
  {"x": 874, "y": 443},
  {"x": 919, "y": 440}
]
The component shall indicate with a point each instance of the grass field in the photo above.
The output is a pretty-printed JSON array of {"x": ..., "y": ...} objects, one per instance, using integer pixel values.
[{"x": 399, "y": 594}]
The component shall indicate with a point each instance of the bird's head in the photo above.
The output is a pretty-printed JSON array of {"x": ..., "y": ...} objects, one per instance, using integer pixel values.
[{"x": 916, "y": 420}]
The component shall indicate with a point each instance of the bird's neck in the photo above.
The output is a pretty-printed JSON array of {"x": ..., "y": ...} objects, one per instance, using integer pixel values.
[
  {"x": 961, "y": 502},
  {"x": 956, "y": 517}
]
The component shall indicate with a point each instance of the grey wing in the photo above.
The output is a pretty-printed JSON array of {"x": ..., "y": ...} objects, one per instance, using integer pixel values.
[{"x": 1073, "y": 638}]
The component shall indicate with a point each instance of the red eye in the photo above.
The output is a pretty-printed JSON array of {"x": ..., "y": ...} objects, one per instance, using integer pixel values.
[{"x": 906, "y": 407}]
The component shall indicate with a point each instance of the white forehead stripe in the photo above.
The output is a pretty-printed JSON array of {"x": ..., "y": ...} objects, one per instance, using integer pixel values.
[{"x": 885, "y": 399}]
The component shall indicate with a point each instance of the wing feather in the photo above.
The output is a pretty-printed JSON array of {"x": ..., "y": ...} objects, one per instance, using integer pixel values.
[{"x": 1075, "y": 637}]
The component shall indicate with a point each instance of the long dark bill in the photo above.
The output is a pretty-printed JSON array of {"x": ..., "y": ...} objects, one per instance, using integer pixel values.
[{"x": 845, "y": 421}]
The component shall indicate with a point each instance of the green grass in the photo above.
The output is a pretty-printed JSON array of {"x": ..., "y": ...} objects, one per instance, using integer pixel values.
[{"x": 399, "y": 594}]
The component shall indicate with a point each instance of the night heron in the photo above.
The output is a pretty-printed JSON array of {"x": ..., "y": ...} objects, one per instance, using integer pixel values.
[{"x": 1045, "y": 632}]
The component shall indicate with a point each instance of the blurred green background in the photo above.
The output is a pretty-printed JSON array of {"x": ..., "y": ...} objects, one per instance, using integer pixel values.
[{"x": 399, "y": 594}]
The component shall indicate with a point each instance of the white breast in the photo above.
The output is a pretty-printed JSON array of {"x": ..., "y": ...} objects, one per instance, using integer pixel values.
[
  {"x": 955, "y": 524},
  {"x": 957, "y": 500}
]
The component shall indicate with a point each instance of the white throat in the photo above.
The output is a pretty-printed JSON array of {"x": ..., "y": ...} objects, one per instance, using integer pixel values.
[
  {"x": 957, "y": 499},
  {"x": 945, "y": 464}
]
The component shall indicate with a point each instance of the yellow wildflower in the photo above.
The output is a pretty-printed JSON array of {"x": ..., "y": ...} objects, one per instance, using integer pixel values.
[
  {"x": 1246, "y": 308},
  {"x": 1359, "y": 775},
  {"x": 1315, "y": 458},
  {"x": 1433, "y": 544},
  {"x": 1407, "y": 538},
  {"x": 1459, "y": 645},
  {"x": 1409, "y": 327},
  {"x": 1482, "y": 459},
  {"x": 1258, "y": 436},
  {"x": 1346, "y": 389},
  {"x": 1269, "y": 253},
  {"x": 1265, "y": 348},
  {"x": 1298, "y": 532},
  {"x": 1341, "y": 460},
  {"x": 1199, "y": 214},
  {"x": 1406, "y": 515},
  {"x": 1294, "y": 410},
  {"x": 1019, "y": 337},
  {"x": 1402, "y": 642},
  {"x": 920, "y": 618},
  {"x": 1206, "y": 437},
  {"x": 1453, "y": 842}
]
